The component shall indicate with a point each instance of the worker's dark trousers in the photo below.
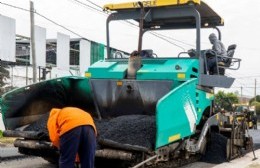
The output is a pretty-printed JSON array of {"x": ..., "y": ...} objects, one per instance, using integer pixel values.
[{"x": 81, "y": 140}]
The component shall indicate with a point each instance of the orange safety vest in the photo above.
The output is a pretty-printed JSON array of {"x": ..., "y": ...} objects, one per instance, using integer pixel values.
[{"x": 63, "y": 120}]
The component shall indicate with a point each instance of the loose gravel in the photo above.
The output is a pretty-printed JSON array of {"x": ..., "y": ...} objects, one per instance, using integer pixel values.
[
  {"x": 140, "y": 130},
  {"x": 129, "y": 129},
  {"x": 39, "y": 125},
  {"x": 216, "y": 149}
]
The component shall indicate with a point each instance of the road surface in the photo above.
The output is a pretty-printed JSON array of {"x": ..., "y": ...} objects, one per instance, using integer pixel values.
[
  {"x": 7, "y": 152},
  {"x": 28, "y": 162}
]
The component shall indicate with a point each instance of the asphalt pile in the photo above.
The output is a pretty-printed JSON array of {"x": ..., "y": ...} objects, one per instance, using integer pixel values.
[
  {"x": 137, "y": 130},
  {"x": 39, "y": 125},
  {"x": 216, "y": 149},
  {"x": 140, "y": 130}
]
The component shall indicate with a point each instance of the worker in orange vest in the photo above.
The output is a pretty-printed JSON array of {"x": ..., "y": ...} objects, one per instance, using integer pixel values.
[{"x": 73, "y": 131}]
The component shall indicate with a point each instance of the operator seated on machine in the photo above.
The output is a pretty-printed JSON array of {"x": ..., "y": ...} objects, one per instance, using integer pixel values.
[{"x": 218, "y": 49}]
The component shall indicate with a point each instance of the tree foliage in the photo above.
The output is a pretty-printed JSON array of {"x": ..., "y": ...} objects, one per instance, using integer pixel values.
[
  {"x": 225, "y": 100},
  {"x": 4, "y": 74},
  {"x": 253, "y": 99},
  {"x": 256, "y": 104}
]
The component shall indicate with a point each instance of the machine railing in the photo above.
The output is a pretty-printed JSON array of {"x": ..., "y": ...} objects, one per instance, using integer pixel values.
[{"x": 220, "y": 61}]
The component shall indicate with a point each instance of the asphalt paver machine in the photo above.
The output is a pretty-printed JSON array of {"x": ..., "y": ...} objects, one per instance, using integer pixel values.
[{"x": 148, "y": 110}]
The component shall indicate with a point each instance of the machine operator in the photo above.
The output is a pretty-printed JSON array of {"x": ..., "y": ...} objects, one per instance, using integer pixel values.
[{"x": 218, "y": 49}]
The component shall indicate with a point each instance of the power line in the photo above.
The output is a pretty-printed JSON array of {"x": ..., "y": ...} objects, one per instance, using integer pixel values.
[
  {"x": 58, "y": 24},
  {"x": 245, "y": 87},
  {"x": 95, "y": 4},
  {"x": 175, "y": 40},
  {"x": 90, "y": 7},
  {"x": 256, "y": 76},
  {"x": 13, "y": 6},
  {"x": 163, "y": 38},
  {"x": 242, "y": 85},
  {"x": 160, "y": 36},
  {"x": 27, "y": 10}
]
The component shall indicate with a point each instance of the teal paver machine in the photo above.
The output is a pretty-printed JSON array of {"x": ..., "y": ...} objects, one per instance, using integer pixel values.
[{"x": 175, "y": 93}]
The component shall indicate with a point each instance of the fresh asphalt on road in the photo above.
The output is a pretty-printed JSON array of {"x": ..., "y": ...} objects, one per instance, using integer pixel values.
[{"x": 247, "y": 161}]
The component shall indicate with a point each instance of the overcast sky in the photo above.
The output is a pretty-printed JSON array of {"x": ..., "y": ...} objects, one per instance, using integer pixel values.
[{"x": 242, "y": 27}]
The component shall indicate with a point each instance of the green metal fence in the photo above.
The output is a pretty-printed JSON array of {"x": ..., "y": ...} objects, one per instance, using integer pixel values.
[{"x": 97, "y": 52}]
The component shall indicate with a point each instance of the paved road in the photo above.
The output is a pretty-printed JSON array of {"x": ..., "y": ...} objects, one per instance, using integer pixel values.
[
  {"x": 243, "y": 162},
  {"x": 29, "y": 162},
  {"x": 256, "y": 135},
  {"x": 6, "y": 152}
]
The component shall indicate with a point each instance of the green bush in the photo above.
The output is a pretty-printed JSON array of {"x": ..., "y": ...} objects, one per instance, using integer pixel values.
[
  {"x": 1, "y": 133},
  {"x": 258, "y": 109},
  {"x": 257, "y": 106},
  {"x": 225, "y": 100}
]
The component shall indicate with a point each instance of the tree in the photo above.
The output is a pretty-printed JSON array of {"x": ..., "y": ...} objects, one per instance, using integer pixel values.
[
  {"x": 256, "y": 103},
  {"x": 225, "y": 100},
  {"x": 4, "y": 73},
  {"x": 257, "y": 107},
  {"x": 253, "y": 99}
]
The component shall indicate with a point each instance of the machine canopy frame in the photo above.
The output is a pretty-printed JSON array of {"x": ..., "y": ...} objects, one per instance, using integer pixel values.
[{"x": 178, "y": 14}]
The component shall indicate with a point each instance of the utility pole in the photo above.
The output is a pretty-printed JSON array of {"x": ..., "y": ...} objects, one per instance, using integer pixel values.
[
  {"x": 33, "y": 42},
  {"x": 39, "y": 73},
  {"x": 255, "y": 95},
  {"x": 255, "y": 90},
  {"x": 26, "y": 73},
  {"x": 241, "y": 94},
  {"x": 12, "y": 76}
]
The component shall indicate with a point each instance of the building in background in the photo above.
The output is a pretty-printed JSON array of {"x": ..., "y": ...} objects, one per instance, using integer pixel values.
[
  {"x": 97, "y": 51},
  {"x": 244, "y": 99},
  {"x": 21, "y": 70}
]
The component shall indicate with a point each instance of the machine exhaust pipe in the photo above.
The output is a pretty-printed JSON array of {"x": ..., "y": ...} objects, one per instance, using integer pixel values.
[{"x": 135, "y": 60}]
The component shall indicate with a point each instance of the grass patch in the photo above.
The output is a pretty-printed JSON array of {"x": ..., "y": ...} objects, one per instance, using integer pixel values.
[
  {"x": 6, "y": 140},
  {"x": 254, "y": 165}
]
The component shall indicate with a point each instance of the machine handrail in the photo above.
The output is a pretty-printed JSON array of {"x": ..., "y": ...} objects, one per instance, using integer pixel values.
[
  {"x": 216, "y": 56},
  {"x": 184, "y": 52}
]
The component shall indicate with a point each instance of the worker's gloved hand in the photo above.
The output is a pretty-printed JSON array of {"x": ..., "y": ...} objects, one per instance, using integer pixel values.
[{"x": 53, "y": 146}]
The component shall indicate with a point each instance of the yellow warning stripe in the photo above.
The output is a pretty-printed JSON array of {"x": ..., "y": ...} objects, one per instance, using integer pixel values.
[
  {"x": 88, "y": 75},
  {"x": 149, "y": 3},
  {"x": 181, "y": 75},
  {"x": 174, "y": 138}
]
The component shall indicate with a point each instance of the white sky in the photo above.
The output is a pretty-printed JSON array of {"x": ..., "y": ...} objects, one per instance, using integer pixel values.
[{"x": 242, "y": 27}]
